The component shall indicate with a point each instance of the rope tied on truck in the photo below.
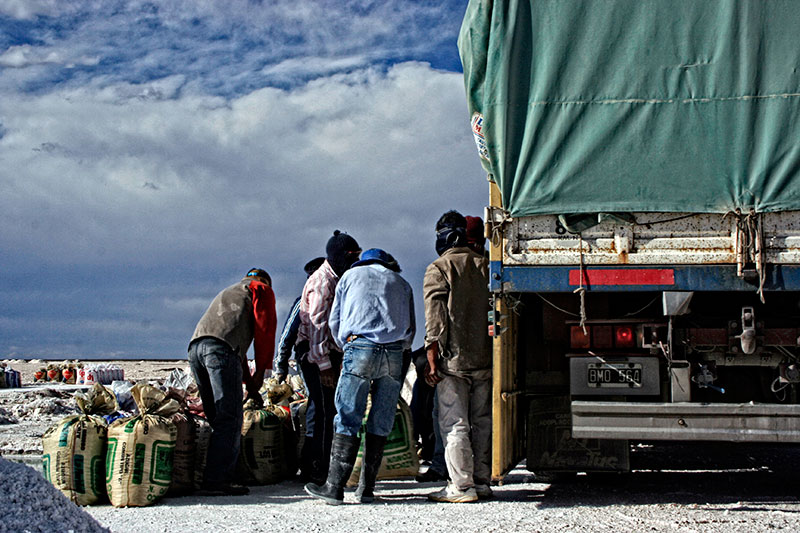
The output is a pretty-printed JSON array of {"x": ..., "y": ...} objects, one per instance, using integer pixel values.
[
  {"x": 749, "y": 245},
  {"x": 581, "y": 290}
]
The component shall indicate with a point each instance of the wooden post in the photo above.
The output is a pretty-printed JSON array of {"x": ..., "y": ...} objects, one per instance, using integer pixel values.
[{"x": 504, "y": 424}]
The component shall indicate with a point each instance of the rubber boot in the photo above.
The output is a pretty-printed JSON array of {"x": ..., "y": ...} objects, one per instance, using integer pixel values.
[
  {"x": 371, "y": 463},
  {"x": 344, "y": 450}
]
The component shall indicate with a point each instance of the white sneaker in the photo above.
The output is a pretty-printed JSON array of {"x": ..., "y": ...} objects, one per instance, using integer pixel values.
[
  {"x": 484, "y": 492},
  {"x": 452, "y": 494}
]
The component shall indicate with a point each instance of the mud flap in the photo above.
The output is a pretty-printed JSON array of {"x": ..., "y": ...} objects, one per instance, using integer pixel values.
[{"x": 551, "y": 447}]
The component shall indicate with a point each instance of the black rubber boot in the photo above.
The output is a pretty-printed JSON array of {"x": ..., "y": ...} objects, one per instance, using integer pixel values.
[
  {"x": 371, "y": 463},
  {"x": 344, "y": 450}
]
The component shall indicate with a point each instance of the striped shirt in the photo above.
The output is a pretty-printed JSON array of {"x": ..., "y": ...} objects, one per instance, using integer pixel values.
[
  {"x": 315, "y": 308},
  {"x": 288, "y": 339}
]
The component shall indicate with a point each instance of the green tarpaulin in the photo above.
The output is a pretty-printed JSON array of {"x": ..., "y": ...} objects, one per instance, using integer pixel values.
[{"x": 636, "y": 105}]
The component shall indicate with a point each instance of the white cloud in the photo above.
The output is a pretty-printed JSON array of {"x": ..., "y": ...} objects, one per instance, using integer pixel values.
[
  {"x": 26, "y": 55},
  {"x": 28, "y": 9},
  {"x": 105, "y": 180},
  {"x": 194, "y": 140},
  {"x": 225, "y": 48},
  {"x": 144, "y": 174}
]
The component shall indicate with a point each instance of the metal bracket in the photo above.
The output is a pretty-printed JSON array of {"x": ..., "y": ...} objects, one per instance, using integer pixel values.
[{"x": 748, "y": 336}]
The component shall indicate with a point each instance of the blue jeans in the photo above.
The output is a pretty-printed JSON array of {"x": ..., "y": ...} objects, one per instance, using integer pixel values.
[
  {"x": 217, "y": 370},
  {"x": 366, "y": 366}
]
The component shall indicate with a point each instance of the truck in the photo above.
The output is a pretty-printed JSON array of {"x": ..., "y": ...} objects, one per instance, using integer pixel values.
[{"x": 644, "y": 224}]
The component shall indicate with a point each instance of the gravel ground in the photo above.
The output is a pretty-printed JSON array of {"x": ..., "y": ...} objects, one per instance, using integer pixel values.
[
  {"x": 689, "y": 501},
  {"x": 711, "y": 488}
]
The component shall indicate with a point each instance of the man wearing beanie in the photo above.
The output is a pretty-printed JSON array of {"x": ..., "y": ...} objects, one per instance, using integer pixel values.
[
  {"x": 321, "y": 363},
  {"x": 475, "y": 237},
  {"x": 456, "y": 292},
  {"x": 372, "y": 320},
  {"x": 241, "y": 314}
]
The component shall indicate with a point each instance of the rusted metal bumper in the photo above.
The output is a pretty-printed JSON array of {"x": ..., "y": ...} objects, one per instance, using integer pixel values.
[{"x": 686, "y": 421}]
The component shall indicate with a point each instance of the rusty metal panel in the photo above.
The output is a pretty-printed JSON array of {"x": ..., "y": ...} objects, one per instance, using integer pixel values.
[
  {"x": 686, "y": 421},
  {"x": 707, "y": 336},
  {"x": 655, "y": 239},
  {"x": 781, "y": 336}
]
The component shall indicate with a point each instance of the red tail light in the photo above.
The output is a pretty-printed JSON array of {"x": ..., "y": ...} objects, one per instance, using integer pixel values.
[
  {"x": 623, "y": 337},
  {"x": 577, "y": 339}
]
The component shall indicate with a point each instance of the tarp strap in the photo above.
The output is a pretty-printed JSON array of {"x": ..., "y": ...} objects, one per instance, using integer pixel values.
[{"x": 581, "y": 290}]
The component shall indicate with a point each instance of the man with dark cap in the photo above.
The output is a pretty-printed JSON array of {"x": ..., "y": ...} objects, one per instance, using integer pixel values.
[
  {"x": 286, "y": 343},
  {"x": 372, "y": 320},
  {"x": 288, "y": 336},
  {"x": 459, "y": 357},
  {"x": 321, "y": 363},
  {"x": 476, "y": 241},
  {"x": 239, "y": 315}
]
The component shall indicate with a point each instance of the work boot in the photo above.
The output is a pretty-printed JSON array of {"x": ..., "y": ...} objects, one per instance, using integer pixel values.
[
  {"x": 370, "y": 464},
  {"x": 343, "y": 456},
  {"x": 484, "y": 491}
]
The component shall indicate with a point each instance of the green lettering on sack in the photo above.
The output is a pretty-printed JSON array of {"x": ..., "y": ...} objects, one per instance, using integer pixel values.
[
  {"x": 131, "y": 425},
  {"x": 63, "y": 438},
  {"x": 268, "y": 421},
  {"x": 399, "y": 436},
  {"x": 78, "y": 481},
  {"x": 111, "y": 453},
  {"x": 161, "y": 464},
  {"x": 46, "y": 466},
  {"x": 138, "y": 464},
  {"x": 97, "y": 475}
]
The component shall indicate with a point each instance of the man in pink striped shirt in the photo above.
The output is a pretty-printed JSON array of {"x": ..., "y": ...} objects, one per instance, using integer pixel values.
[{"x": 321, "y": 360}]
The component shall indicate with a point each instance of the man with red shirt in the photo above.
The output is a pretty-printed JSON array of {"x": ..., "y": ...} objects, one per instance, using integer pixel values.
[{"x": 241, "y": 314}]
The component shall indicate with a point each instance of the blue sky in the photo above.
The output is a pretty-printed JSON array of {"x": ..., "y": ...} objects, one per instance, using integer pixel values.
[{"x": 152, "y": 152}]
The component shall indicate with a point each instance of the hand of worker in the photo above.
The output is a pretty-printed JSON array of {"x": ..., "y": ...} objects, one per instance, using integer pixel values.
[
  {"x": 328, "y": 377},
  {"x": 253, "y": 384},
  {"x": 256, "y": 398},
  {"x": 432, "y": 376}
]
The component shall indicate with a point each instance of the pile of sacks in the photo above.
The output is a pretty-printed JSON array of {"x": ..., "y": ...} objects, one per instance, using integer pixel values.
[
  {"x": 9, "y": 378},
  {"x": 65, "y": 372},
  {"x": 129, "y": 461},
  {"x": 80, "y": 374},
  {"x": 132, "y": 444}
]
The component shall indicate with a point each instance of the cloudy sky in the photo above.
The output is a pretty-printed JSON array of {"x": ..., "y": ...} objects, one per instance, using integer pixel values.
[{"x": 152, "y": 152}]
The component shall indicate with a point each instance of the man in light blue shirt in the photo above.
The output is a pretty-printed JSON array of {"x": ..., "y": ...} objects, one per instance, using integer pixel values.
[{"x": 372, "y": 320}]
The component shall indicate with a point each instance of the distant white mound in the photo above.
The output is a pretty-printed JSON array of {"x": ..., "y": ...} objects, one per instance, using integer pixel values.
[{"x": 30, "y": 503}]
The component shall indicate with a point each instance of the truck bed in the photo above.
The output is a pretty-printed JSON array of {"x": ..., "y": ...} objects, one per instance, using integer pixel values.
[{"x": 655, "y": 239}]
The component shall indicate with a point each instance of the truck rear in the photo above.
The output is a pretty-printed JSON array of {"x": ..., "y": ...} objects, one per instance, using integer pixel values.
[{"x": 644, "y": 223}]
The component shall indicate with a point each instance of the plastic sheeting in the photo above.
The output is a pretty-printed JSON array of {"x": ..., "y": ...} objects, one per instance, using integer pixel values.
[{"x": 583, "y": 106}]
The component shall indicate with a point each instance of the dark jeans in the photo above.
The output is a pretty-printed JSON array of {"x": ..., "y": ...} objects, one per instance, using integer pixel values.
[
  {"x": 319, "y": 418},
  {"x": 217, "y": 370}
]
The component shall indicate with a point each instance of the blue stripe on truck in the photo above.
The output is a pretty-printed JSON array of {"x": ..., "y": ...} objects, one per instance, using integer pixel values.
[{"x": 685, "y": 278}]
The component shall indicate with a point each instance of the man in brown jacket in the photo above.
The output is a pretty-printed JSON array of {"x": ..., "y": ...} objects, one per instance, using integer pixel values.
[
  {"x": 456, "y": 292},
  {"x": 239, "y": 315}
]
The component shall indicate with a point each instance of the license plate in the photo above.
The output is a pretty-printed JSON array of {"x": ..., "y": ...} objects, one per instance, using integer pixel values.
[{"x": 614, "y": 374}]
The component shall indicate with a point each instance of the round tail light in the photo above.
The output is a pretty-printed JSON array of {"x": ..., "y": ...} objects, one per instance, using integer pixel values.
[{"x": 623, "y": 337}]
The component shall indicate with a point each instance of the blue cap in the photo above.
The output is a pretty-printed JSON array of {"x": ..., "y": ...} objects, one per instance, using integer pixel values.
[{"x": 373, "y": 255}]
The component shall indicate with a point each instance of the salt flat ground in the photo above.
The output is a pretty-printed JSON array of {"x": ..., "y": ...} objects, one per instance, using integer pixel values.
[
  {"x": 722, "y": 500},
  {"x": 719, "y": 488}
]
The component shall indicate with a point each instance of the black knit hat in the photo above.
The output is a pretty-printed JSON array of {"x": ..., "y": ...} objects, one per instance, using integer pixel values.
[
  {"x": 340, "y": 243},
  {"x": 342, "y": 251}
]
